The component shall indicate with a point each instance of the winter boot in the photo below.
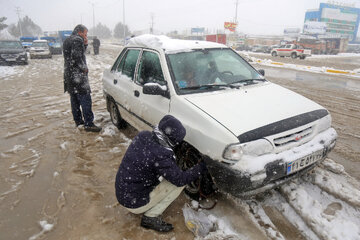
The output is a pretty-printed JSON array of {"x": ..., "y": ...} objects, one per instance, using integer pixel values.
[
  {"x": 156, "y": 224},
  {"x": 92, "y": 128}
]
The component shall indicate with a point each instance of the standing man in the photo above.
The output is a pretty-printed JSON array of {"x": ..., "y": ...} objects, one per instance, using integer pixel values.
[
  {"x": 76, "y": 81},
  {"x": 96, "y": 45},
  {"x": 148, "y": 179}
]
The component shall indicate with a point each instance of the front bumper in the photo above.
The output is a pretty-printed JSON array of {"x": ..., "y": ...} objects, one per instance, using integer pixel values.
[
  {"x": 241, "y": 183},
  {"x": 40, "y": 54},
  {"x": 13, "y": 58}
]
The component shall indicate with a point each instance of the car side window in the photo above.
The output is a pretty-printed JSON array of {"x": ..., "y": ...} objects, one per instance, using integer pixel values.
[
  {"x": 114, "y": 67},
  {"x": 128, "y": 63},
  {"x": 288, "y": 46},
  {"x": 150, "y": 69}
]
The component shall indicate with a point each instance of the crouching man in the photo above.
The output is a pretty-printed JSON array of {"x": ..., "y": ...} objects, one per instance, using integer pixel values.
[{"x": 148, "y": 179}]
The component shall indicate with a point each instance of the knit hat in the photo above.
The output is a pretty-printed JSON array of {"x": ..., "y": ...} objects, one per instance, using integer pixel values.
[{"x": 172, "y": 128}]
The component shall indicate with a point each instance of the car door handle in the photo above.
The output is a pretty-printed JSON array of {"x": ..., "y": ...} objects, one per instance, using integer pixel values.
[
  {"x": 115, "y": 81},
  {"x": 136, "y": 93}
]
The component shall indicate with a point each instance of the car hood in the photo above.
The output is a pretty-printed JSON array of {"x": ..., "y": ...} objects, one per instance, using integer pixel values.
[
  {"x": 39, "y": 48},
  {"x": 252, "y": 106},
  {"x": 7, "y": 51}
]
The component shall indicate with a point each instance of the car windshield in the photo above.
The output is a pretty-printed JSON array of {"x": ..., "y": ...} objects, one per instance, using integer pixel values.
[
  {"x": 210, "y": 70},
  {"x": 10, "y": 45},
  {"x": 39, "y": 44}
]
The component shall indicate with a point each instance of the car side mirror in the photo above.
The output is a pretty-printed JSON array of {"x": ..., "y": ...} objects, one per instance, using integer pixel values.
[
  {"x": 155, "y": 89},
  {"x": 262, "y": 72}
]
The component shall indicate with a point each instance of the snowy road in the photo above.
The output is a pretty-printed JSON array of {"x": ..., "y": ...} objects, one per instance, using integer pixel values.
[{"x": 57, "y": 181}]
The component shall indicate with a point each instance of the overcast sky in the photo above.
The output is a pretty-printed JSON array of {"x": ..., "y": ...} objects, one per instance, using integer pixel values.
[{"x": 254, "y": 16}]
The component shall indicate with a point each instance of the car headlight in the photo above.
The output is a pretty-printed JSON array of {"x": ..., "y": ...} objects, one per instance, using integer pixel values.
[
  {"x": 324, "y": 123},
  {"x": 257, "y": 148},
  {"x": 234, "y": 152}
]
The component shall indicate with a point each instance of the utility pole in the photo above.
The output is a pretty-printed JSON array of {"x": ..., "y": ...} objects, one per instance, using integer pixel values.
[
  {"x": 124, "y": 20},
  {"x": 236, "y": 9},
  {"x": 92, "y": 3},
  {"x": 152, "y": 24},
  {"x": 18, "y": 13}
]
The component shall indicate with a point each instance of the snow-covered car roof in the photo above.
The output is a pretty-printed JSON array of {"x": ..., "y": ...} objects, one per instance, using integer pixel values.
[{"x": 170, "y": 45}]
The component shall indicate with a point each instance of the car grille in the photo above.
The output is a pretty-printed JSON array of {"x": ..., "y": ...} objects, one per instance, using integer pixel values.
[
  {"x": 9, "y": 55},
  {"x": 294, "y": 137}
]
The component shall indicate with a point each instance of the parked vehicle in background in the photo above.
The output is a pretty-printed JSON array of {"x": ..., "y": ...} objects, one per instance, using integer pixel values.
[
  {"x": 27, "y": 41},
  {"x": 257, "y": 48},
  {"x": 54, "y": 43},
  {"x": 40, "y": 49},
  {"x": 218, "y": 38},
  {"x": 353, "y": 48},
  {"x": 252, "y": 134},
  {"x": 12, "y": 51},
  {"x": 291, "y": 50},
  {"x": 261, "y": 48}
]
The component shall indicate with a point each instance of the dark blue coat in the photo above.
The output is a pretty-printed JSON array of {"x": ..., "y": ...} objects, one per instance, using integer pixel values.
[{"x": 144, "y": 162}]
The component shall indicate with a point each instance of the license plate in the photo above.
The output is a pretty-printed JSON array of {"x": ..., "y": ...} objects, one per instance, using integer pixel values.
[{"x": 301, "y": 163}]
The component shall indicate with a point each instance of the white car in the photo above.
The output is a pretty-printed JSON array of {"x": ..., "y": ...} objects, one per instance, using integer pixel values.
[
  {"x": 291, "y": 50},
  {"x": 40, "y": 49},
  {"x": 253, "y": 134}
]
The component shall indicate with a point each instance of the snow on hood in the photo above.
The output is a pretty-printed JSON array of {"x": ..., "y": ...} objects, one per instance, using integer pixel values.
[
  {"x": 253, "y": 106},
  {"x": 170, "y": 45}
]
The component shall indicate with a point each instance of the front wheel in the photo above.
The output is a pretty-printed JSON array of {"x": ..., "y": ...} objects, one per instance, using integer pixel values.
[
  {"x": 274, "y": 54},
  {"x": 187, "y": 157},
  {"x": 115, "y": 115},
  {"x": 293, "y": 55}
]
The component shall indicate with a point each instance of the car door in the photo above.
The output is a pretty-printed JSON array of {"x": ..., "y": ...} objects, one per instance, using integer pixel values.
[
  {"x": 122, "y": 89},
  {"x": 288, "y": 50},
  {"x": 150, "y": 108}
]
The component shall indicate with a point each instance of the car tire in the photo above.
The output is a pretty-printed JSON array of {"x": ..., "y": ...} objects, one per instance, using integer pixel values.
[
  {"x": 293, "y": 55},
  {"x": 302, "y": 57},
  {"x": 274, "y": 54},
  {"x": 187, "y": 157},
  {"x": 115, "y": 116}
]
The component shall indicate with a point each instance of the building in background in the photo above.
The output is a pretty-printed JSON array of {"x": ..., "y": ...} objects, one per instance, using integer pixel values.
[{"x": 333, "y": 21}]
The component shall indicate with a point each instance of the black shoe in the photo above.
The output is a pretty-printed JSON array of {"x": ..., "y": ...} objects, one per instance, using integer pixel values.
[
  {"x": 92, "y": 128},
  {"x": 79, "y": 123},
  {"x": 156, "y": 224}
]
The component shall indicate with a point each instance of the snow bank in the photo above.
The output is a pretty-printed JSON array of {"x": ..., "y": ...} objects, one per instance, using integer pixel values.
[{"x": 328, "y": 217}]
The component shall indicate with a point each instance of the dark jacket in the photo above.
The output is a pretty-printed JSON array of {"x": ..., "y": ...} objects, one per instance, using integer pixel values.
[
  {"x": 96, "y": 43},
  {"x": 144, "y": 162},
  {"x": 75, "y": 67}
]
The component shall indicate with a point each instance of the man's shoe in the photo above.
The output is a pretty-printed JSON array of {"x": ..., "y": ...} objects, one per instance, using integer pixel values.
[
  {"x": 79, "y": 123},
  {"x": 156, "y": 224},
  {"x": 92, "y": 128}
]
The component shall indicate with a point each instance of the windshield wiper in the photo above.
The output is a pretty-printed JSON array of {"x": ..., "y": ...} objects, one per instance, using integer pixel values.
[
  {"x": 248, "y": 81},
  {"x": 209, "y": 86}
]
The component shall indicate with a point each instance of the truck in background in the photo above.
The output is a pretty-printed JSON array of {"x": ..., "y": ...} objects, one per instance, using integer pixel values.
[
  {"x": 54, "y": 43},
  {"x": 64, "y": 34},
  {"x": 219, "y": 38}
]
